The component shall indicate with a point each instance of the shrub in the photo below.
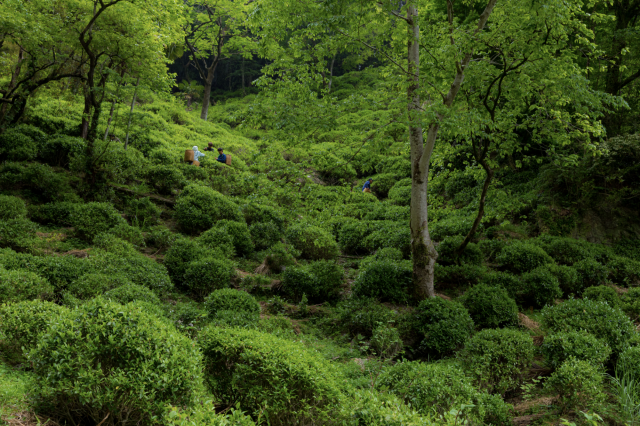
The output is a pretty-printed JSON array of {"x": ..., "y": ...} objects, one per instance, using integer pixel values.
[
  {"x": 578, "y": 383},
  {"x": 602, "y": 293},
  {"x": 629, "y": 362},
  {"x": 143, "y": 213},
  {"x": 200, "y": 207},
  {"x": 59, "y": 149},
  {"x": 180, "y": 254},
  {"x": 598, "y": 318},
  {"x": 320, "y": 281},
  {"x": 390, "y": 234},
  {"x": 139, "y": 269},
  {"x": 630, "y": 303},
  {"x": 505, "y": 280},
  {"x": 442, "y": 326},
  {"x": 447, "y": 252},
  {"x": 240, "y": 236},
  {"x": 128, "y": 293},
  {"x": 540, "y": 287},
  {"x": 17, "y": 143},
  {"x": 206, "y": 275},
  {"x": 385, "y": 341},
  {"x": 265, "y": 234},
  {"x": 279, "y": 256},
  {"x": 362, "y": 316},
  {"x": 19, "y": 285},
  {"x": 22, "y": 323},
  {"x": 218, "y": 240},
  {"x": 91, "y": 285},
  {"x": 108, "y": 359},
  {"x": 389, "y": 253},
  {"x": 128, "y": 233},
  {"x": 93, "y": 218},
  {"x": 623, "y": 271},
  {"x": 590, "y": 273},
  {"x": 567, "y": 251},
  {"x": 352, "y": 236},
  {"x": 370, "y": 408},
  {"x": 459, "y": 275},
  {"x": 400, "y": 193},
  {"x": 559, "y": 347},
  {"x": 160, "y": 237},
  {"x": 12, "y": 207},
  {"x": 497, "y": 359},
  {"x": 204, "y": 414},
  {"x": 522, "y": 257},
  {"x": 229, "y": 299},
  {"x": 113, "y": 244},
  {"x": 165, "y": 178},
  {"x": 386, "y": 281},
  {"x": 567, "y": 278},
  {"x": 382, "y": 184},
  {"x": 490, "y": 307},
  {"x": 259, "y": 213},
  {"x": 18, "y": 233},
  {"x": 57, "y": 213},
  {"x": 275, "y": 378},
  {"x": 312, "y": 241},
  {"x": 439, "y": 388}
]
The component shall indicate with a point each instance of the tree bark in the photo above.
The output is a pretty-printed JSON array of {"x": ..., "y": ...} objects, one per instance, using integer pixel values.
[
  {"x": 206, "y": 99},
  {"x": 133, "y": 102}
]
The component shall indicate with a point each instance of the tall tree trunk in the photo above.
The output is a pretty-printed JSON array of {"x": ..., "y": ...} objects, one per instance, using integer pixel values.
[
  {"x": 422, "y": 248},
  {"x": 14, "y": 80},
  {"x": 206, "y": 100},
  {"x": 113, "y": 104},
  {"x": 133, "y": 102},
  {"x": 85, "y": 117}
]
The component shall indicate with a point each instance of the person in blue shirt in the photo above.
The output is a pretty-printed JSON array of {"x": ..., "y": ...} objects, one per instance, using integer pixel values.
[
  {"x": 222, "y": 157},
  {"x": 367, "y": 186}
]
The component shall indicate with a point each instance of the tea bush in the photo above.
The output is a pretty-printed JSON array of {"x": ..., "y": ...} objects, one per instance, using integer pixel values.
[
  {"x": 260, "y": 213},
  {"x": 12, "y": 207},
  {"x": 459, "y": 275},
  {"x": 182, "y": 252},
  {"x": 578, "y": 383},
  {"x": 22, "y": 323},
  {"x": 602, "y": 293},
  {"x": 279, "y": 256},
  {"x": 597, "y": 318},
  {"x": 630, "y": 303},
  {"x": 143, "y": 213},
  {"x": 165, "y": 178},
  {"x": 198, "y": 208},
  {"x": 93, "y": 218},
  {"x": 590, "y": 273},
  {"x": 559, "y": 347},
  {"x": 490, "y": 307},
  {"x": 204, "y": 414},
  {"x": 506, "y": 280},
  {"x": 139, "y": 269},
  {"x": 265, "y": 234},
  {"x": 441, "y": 326},
  {"x": 91, "y": 285},
  {"x": 567, "y": 251},
  {"x": 567, "y": 278},
  {"x": 279, "y": 379},
  {"x": 128, "y": 293},
  {"x": 389, "y": 253},
  {"x": 400, "y": 193},
  {"x": 386, "y": 281},
  {"x": 16, "y": 144},
  {"x": 539, "y": 288},
  {"x": 521, "y": 257},
  {"x": 498, "y": 359},
  {"x": 352, "y": 236},
  {"x": 206, "y": 275},
  {"x": 623, "y": 271},
  {"x": 217, "y": 240},
  {"x": 491, "y": 248},
  {"x": 236, "y": 301},
  {"x": 57, "y": 213},
  {"x": 629, "y": 362},
  {"x": 104, "y": 358},
  {"x": 59, "y": 149},
  {"x": 362, "y": 316},
  {"x": 128, "y": 233},
  {"x": 390, "y": 235},
  {"x": 240, "y": 236},
  {"x": 19, "y": 233},
  {"x": 447, "y": 252},
  {"x": 312, "y": 242},
  {"x": 20, "y": 285},
  {"x": 321, "y": 281},
  {"x": 370, "y": 408}
]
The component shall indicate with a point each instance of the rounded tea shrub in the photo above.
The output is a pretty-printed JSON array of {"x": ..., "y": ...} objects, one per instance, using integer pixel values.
[
  {"x": 229, "y": 299},
  {"x": 312, "y": 242},
  {"x": 447, "y": 252},
  {"x": 498, "y": 359},
  {"x": 624, "y": 271},
  {"x": 578, "y": 383},
  {"x": 199, "y": 207},
  {"x": 257, "y": 369},
  {"x": 567, "y": 278},
  {"x": 320, "y": 281},
  {"x": 95, "y": 284},
  {"x": 104, "y": 358},
  {"x": 93, "y": 218},
  {"x": 22, "y": 323},
  {"x": 521, "y": 257},
  {"x": 490, "y": 307},
  {"x": 386, "y": 281},
  {"x": 352, "y": 234},
  {"x": 206, "y": 275},
  {"x": 240, "y": 236},
  {"x": 539, "y": 288},
  {"x": 182, "y": 252},
  {"x": 602, "y": 293},
  {"x": 219, "y": 240},
  {"x": 11, "y": 207},
  {"x": 441, "y": 326},
  {"x": 132, "y": 293},
  {"x": 590, "y": 273},
  {"x": 597, "y": 318},
  {"x": 265, "y": 234},
  {"x": 362, "y": 316},
  {"x": 567, "y": 251},
  {"x": 629, "y": 362},
  {"x": 19, "y": 285},
  {"x": 559, "y": 347}
]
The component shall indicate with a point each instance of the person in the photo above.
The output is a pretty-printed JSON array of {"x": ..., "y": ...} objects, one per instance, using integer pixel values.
[
  {"x": 209, "y": 147},
  {"x": 197, "y": 154},
  {"x": 367, "y": 185},
  {"x": 222, "y": 157}
]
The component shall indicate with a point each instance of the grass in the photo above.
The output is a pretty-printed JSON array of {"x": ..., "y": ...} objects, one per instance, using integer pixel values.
[{"x": 13, "y": 391}]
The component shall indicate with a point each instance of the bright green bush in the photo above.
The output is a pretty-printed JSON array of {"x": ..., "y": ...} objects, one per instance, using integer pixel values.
[
  {"x": 398, "y": 166},
  {"x": 204, "y": 414},
  {"x": 590, "y": 273},
  {"x": 521, "y": 257},
  {"x": 388, "y": 212},
  {"x": 313, "y": 242},
  {"x": 236, "y": 301},
  {"x": 182, "y": 252},
  {"x": 22, "y": 323},
  {"x": 459, "y": 275},
  {"x": 260, "y": 213},
  {"x": 57, "y": 213},
  {"x": 199, "y": 207},
  {"x": 567, "y": 278},
  {"x": 602, "y": 293},
  {"x": 362, "y": 316},
  {"x": 218, "y": 240},
  {"x": 93, "y": 218},
  {"x": 370, "y": 408},
  {"x": 629, "y": 362},
  {"x": 439, "y": 388},
  {"x": 498, "y": 359},
  {"x": 491, "y": 248},
  {"x": 165, "y": 178},
  {"x": 630, "y": 303},
  {"x": 321, "y": 281},
  {"x": 623, "y": 271},
  {"x": 18, "y": 233},
  {"x": 160, "y": 237},
  {"x": 19, "y": 285},
  {"x": 12, "y": 207},
  {"x": 59, "y": 149},
  {"x": 91, "y": 285},
  {"x": 505, "y": 280},
  {"x": 143, "y": 213},
  {"x": 490, "y": 307},
  {"x": 137, "y": 268},
  {"x": 108, "y": 359},
  {"x": 559, "y": 347},
  {"x": 278, "y": 379},
  {"x": 265, "y": 234},
  {"x": 578, "y": 383},
  {"x": 279, "y": 256},
  {"x": 539, "y": 288},
  {"x": 389, "y": 253},
  {"x": 240, "y": 236},
  {"x": 20, "y": 143},
  {"x": 128, "y": 233},
  {"x": 597, "y": 318},
  {"x": 452, "y": 224},
  {"x": 113, "y": 244},
  {"x": 440, "y": 326},
  {"x": 206, "y": 275},
  {"x": 352, "y": 236},
  {"x": 400, "y": 193},
  {"x": 382, "y": 184},
  {"x": 128, "y": 293},
  {"x": 390, "y": 235},
  {"x": 386, "y": 281},
  {"x": 567, "y": 251},
  {"x": 447, "y": 252}
]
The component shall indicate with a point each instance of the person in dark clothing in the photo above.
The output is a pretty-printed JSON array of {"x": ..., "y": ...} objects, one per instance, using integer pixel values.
[
  {"x": 222, "y": 158},
  {"x": 210, "y": 147},
  {"x": 367, "y": 186}
]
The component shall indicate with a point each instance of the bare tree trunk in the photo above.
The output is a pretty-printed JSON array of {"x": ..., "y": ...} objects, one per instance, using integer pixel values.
[
  {"x": 206, "y": 100},
  {"x": 422, "y": 248},
  {"x": 133, "y": 102}
]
